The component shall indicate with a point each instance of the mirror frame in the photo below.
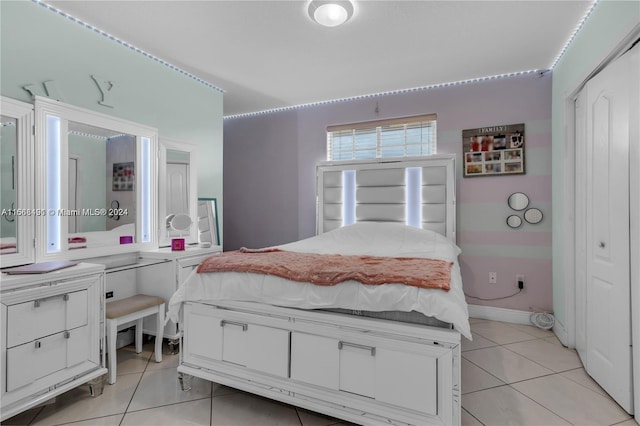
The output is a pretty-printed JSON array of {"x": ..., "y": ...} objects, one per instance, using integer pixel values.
[
  {"x": 514, "y": 216},
  {"x": 530, "y": 211},
  {"x": 215, "y": 233},
  {"x": 514, "y": 195},
  {"x": 23, "y": 113},
  {"x": 45, "y": 107},
  {"x": 170, "y": 144}
]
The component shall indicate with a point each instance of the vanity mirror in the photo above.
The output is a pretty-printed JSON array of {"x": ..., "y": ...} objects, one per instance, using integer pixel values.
[
  {"x": 178, "y": 191},
  {"x": 96, "y": 182},
  {"x": 16, "y": 183}
]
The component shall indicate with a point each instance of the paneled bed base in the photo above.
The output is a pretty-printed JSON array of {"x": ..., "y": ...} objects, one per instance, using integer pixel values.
[{"x": 367, "y": 371}]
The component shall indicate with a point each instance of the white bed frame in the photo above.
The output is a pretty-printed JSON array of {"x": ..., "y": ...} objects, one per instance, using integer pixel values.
[{"x": 364, "y": 370}]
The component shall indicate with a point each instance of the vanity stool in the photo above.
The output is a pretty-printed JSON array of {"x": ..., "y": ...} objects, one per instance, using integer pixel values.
[{"x": 134, "y": 308}]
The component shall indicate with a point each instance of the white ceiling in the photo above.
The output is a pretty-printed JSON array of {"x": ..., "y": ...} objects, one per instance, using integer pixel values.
[{"x": 269, "y": 54}]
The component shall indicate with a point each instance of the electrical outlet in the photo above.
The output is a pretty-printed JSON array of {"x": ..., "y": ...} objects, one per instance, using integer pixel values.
[
  {"x": 520, "y": 281},
  {"x": 109, "y": 295},
  {"x": 493, "y": 277}
]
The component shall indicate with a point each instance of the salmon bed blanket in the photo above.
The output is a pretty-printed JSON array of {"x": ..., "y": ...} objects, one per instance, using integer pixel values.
[{"x": 332, "y": 269}]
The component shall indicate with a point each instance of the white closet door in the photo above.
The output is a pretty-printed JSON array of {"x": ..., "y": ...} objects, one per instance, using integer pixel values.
[{"x": 608, "y": 313}]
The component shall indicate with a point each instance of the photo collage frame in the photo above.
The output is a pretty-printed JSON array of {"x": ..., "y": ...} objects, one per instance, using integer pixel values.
[{"x": 493, "y": 150}]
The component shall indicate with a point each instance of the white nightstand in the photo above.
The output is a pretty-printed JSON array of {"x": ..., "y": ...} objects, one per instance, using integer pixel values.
[{"x": 52, "y": 335}]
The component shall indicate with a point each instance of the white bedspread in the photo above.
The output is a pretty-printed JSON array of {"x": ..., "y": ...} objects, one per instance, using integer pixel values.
[{"x": 374, "y": 239}]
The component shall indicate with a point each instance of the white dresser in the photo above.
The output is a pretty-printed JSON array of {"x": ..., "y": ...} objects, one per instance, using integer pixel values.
[
  {"x": 52, "y": 332},
  {"x": 162, "y": 282}
]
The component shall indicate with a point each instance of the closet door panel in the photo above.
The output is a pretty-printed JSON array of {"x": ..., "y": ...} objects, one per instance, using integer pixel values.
[{"x": 608, "y": 319}]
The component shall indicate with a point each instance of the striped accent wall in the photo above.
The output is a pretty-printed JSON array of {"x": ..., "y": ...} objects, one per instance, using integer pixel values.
[{"x": 488, "y": 244}]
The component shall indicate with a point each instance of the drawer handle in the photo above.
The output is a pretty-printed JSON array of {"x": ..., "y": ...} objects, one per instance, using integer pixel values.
[
  {"x": 67, "y": 334},
  {"x": 355, "y": 345},
  {"x": 239, "y": 324},
  {"x": 37, "y": 302},
  {"x": 38, "y": 344}
]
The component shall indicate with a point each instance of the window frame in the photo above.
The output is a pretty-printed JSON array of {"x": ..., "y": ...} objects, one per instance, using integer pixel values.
[{"x": 379, "y": 127}]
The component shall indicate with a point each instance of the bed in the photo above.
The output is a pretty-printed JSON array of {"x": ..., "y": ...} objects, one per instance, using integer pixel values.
[{"x": 334, "y": 349}]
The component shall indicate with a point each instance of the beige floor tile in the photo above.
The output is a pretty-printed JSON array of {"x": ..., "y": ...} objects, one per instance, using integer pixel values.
[
  {"x": 102, "y": 421},
  {"x": 245, "y": 409},
  {"x": 506, "y": 365},
  {"x": 478, "y": 342},
  {"x": 23, "y": 418},
  {"x": 77, "y": 404},
  {"x": 532, "y": 330},
  {"x": 553, "y": 357},
  {"x": 131, "y": 362},
  {"x": 506, "y": 406},
  {"x": 554, "y": 340},
  {"x": 311, "y": 418},
  {"x": 219, "y": 389},
  {"x": 186, "y": 413},
  {"x": 630, "y": 422},
  {"x": 582, "y": 378},
  {"x": 499, "y": 332},
  {"x": 168, "y": 361},
  {"x": 571, "y": 401},
  {"x": 475, "y": 378},
  {"x": 469, "y": 420},
  {"x": 161, "y": 387},
  {"x": 476, "y": 320}
]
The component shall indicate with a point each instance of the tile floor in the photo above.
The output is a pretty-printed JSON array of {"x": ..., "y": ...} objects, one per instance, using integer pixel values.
[{"x": 511, "y": 375}]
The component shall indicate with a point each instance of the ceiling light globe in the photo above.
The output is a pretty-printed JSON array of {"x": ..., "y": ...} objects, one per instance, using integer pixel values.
[{"x": 330, "y": 13}]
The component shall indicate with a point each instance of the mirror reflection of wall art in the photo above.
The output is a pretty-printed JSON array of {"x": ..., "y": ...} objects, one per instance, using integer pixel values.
[
  {"x": 495, "y": 150},
  {"x": 123, "y": 176}
]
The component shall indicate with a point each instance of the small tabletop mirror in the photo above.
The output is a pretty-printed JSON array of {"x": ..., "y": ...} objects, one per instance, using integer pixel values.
[
  {"x": 514, "y": 221},
  {"x": 179, "y": 222},
  {"x": 533, "y": 216},
  {"x": 518, "y": 201}
]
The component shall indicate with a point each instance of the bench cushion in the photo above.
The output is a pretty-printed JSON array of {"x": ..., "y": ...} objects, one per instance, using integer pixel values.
[{"x": 122, "y": 307}]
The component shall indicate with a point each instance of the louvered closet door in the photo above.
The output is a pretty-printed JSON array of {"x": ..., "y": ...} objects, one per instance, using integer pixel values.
[{"x": 604, "y": 179}]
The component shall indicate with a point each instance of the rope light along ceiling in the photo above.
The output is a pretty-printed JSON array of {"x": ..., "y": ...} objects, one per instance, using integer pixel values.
[
  {"x": 391, "y": 92},
  {"x": 575, "y": 32},
  {"x": 128, "y": 45},
  {"x": 210, "y": 85},
  {"x": 433, "y": 86}
]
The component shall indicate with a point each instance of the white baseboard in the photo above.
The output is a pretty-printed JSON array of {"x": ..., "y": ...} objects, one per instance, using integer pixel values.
[
  {"x": 561, "y": 333},
  {"x": 500, "y": 314}
]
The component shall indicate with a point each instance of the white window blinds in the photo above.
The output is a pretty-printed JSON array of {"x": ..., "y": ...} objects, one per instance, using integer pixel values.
[{"x": 398, "y": 137}]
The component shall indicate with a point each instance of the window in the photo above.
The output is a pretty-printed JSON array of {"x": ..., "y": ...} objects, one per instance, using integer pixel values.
[{"x": 398, "y": 137}]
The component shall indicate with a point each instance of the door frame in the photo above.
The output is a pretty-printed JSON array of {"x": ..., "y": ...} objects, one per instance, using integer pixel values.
[{"x": 567, "y": 334}]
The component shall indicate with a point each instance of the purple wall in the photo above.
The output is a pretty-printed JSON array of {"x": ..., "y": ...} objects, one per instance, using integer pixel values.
[{"x": 269, "y": 178}]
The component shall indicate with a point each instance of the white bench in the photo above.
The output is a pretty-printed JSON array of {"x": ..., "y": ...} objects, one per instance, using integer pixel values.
[{"x": 134, "y": 308}]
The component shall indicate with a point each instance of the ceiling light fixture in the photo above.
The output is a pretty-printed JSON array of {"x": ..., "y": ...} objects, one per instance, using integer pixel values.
[{"x": 330, "y": 13}]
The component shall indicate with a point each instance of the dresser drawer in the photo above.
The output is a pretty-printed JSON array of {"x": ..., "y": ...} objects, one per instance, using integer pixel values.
[
  {"x": 34, "y": 360},
  {"x": 31, "y": 320},
  {"x": 29, "y": 362}
]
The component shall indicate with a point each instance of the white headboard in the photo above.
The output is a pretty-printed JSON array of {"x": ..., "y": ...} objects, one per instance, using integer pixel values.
[{"x": 385, "y": 190}]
